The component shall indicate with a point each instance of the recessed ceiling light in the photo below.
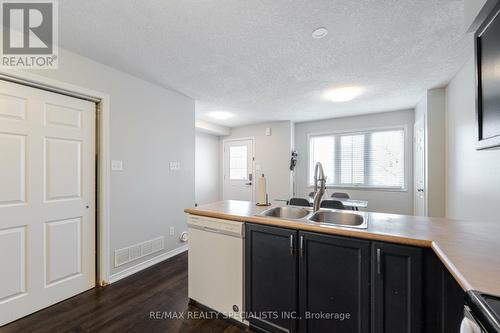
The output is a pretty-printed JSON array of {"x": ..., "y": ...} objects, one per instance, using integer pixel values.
[
  {"x": 319, "y": 32},
  {"x": 220, "y": 115},
  {"x": 343, "y": 94}
]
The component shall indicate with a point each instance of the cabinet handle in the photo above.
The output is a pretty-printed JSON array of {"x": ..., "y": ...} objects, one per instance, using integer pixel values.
[
  {"x": 301, "y": 246},
  {"x": 291, "y": 244},
  {"x": 379, "y": 264}
]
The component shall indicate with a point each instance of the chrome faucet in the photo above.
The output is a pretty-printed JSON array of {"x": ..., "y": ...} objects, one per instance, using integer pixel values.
[{"x": 319, "y": 177}]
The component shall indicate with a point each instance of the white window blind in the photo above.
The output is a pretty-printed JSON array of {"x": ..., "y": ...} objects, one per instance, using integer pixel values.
[{"x": 372, "y": 159}]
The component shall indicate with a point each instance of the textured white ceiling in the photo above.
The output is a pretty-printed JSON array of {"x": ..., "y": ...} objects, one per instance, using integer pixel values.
[{"x": 257, "y": 58}]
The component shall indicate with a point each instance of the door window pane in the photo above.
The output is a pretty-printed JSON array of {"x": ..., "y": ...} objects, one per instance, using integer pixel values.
[{"x": 238, "y": 163}]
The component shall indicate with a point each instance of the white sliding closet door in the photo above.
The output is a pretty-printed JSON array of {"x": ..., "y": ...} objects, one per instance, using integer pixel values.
[{"x": 47, "y": 199}]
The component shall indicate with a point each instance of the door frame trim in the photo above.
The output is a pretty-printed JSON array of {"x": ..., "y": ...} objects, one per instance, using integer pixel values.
[
  {"x": 224, "y": 163},
  {"x": 102, "y": 101}
]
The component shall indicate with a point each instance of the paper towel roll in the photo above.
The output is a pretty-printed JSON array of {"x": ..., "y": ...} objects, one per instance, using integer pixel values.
[{"x": 261, "y": 191}]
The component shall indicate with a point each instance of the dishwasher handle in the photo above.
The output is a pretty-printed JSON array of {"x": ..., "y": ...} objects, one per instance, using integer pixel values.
[
  {"x": 231, "y": 233},
  {"x": 217, "y": 231}
]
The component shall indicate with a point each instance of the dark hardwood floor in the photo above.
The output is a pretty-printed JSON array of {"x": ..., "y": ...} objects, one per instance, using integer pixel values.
[{"x": 126, "y": 306}]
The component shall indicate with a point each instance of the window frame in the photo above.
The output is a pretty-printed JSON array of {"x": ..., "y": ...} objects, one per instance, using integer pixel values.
[{"x": 406, "y": 162}]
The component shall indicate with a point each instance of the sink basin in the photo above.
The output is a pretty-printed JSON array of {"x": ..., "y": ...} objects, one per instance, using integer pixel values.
[
  {"x": 334, "y": 218},
  {"x": 294, "y": 213},
  {"x": 348, "y": 219}
]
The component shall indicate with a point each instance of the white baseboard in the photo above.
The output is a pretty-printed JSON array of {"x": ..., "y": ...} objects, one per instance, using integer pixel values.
[{"x": 145, "y": 264}]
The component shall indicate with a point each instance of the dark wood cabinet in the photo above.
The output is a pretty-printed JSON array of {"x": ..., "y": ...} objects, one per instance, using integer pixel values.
[
  {"x": 334, "y": 284},
  {"x": 443, "y": 297},
  {"x": 451, "y": 301},
  {"x": 306, "y": 282},
  {"x": 397, "y": 276},
  {"x": 271, "y": 278}
]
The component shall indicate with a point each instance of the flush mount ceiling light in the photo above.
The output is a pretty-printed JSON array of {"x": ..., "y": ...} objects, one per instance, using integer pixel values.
[
  {"x": 343, "y": 94},
  {"x": 220, "y": 115},
  {"x": 319, "y": 32}
]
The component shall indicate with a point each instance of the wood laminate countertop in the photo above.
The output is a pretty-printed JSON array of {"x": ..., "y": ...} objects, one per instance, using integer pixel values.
[{"x": 469, "y": 249}]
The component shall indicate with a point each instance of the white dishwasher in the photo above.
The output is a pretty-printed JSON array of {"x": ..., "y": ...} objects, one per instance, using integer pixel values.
[{"x": 215, "y": 265}]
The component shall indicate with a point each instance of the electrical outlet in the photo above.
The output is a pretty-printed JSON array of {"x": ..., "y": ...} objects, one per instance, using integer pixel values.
[
  {"x": 172, "y": 231},
  {"x": 116, "y": 165},
  {"x": 175, "y": 166}
]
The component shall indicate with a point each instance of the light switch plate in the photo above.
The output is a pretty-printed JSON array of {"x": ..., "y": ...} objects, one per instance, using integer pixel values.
[
  {"x": 175, "y": 166},
  {"x": 116, "y": 165}
]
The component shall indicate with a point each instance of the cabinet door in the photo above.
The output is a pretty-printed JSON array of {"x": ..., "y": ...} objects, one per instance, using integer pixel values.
[
  {"x": 334, "y": 284},
  {"x": 271, "y": 278},
  {"x": 397, "y": 288},
  {"x": 444, "y": 299}
]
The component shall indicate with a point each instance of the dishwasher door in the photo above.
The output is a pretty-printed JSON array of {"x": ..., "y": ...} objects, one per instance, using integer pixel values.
[{"x": 215, "y": 266}]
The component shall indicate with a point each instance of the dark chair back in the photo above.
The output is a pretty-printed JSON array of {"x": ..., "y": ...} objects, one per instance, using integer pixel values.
[
  {"x": 332, "y": 204},
  {"x": 299, "y": 202},
  {"x": 340, "y": 195}
]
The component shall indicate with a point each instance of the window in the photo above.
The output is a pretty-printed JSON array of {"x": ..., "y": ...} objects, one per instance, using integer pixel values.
[
  {"x": 238, "y": 163},
  {"x": 373, "y": 159},
  {"x": 322, "y": 148}
]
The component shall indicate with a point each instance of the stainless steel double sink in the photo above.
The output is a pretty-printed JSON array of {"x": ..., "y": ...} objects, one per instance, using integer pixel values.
[{"x": 328, "y": 217}]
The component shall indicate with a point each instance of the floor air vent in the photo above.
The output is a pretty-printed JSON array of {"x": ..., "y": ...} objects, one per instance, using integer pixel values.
[{"x": 137, "y": 251}]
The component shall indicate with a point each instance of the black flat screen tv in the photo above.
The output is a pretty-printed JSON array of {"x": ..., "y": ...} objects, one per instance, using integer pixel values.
[{"x": 487, "y": 50}]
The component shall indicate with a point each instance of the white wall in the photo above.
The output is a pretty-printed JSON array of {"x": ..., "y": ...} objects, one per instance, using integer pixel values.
[
  {"x": 400, "y": 202},
  {"x": 436, "y": 153},
  {"x": 150, "y": 126},
  {"x": 421, "y": 108},
  {"x": 203, "y": 126},
  {"x": 207, "y": 172},
  {"x": 473, "y": 182},
  {"x": 272, "y": 153}
]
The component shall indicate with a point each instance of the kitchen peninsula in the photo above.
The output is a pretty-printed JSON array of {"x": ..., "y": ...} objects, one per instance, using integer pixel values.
[{"x": 404, "y": 272}]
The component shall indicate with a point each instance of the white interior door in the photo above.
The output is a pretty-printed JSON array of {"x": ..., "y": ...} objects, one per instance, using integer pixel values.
[
  {"x": 419, "y": 169},
  {"x": 47, "y": 199},
  {"x": 238, "y": 170}
]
